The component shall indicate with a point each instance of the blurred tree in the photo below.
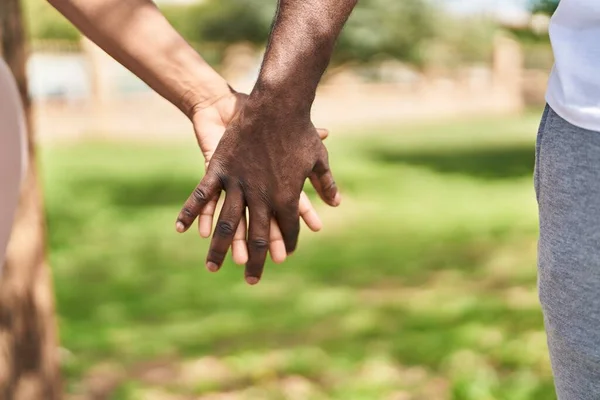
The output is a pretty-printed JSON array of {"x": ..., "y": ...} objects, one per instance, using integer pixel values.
[
  {"x": 377, "y": 28},
  {"x": 544, "y": 6},
  {"x": 460, "y": 41},
  {"x": 45, "y": 23},
  {"x": 223, "y": 22},
  {"x": 234, "y": 21},
  {"x": 387, "y": 28},
  {"x": 28, "y": 361}
]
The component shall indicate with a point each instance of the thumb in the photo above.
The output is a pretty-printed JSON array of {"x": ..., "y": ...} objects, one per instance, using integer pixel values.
[{"x": 323, "y": 182}]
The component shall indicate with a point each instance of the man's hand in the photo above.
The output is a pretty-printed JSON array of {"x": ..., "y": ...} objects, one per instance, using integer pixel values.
[
  {"x": 210, "y": 124},
  {"x": 268, "y": 152},
  {"x": 262, "y": 162}
]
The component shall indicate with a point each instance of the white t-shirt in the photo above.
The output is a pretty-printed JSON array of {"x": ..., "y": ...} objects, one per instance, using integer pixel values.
[{"x": 574, "y": 86}]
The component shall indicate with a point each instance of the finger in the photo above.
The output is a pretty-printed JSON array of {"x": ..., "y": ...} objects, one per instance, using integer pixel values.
[
  {"x": 258, "y": 242},
  {"x": 323, "y": 133},
  {"x": 208, "y": 188},
  {"x": 239, "y": 248},
  {"x": 288, "y": 219},
  {"x": 309, "y": 214},
  {"x": 229, "y": 219},
  {"x": 276, "y": 244},
  {"x": 205, "y": 220},
  {"x": 323, "y": 181}
]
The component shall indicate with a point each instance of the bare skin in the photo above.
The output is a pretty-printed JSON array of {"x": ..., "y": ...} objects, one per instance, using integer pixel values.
[
  {"x": 210, "y": 126},
  {"x": 267, "y": 153},
  {"x": 137, "y": 35}
]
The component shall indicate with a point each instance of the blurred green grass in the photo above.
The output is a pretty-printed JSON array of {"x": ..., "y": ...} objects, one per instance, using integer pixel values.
[{"x": 420, "y": 286}]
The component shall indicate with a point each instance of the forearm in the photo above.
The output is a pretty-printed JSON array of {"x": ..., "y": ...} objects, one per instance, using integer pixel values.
[
  {"x": 300, "y": 49},
  {"x": 136, "y": 34}
]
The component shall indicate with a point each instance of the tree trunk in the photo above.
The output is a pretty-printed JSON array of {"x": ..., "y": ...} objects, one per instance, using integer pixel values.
[{"x": 29, "y": 367}]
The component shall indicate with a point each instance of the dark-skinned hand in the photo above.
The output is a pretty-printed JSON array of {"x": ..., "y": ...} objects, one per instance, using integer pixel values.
[{"x": 261, "y": 163}]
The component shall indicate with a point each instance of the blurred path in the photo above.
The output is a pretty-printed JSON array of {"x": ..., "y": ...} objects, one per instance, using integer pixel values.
[{"x": 149, "y": 117}]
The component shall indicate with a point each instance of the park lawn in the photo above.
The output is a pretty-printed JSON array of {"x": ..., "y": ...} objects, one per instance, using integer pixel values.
[{"x": 422, "y": 285}]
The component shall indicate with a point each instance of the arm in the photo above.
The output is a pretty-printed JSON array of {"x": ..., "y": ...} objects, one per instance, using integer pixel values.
[
  {"x": 268, "y": 152},
  {"x": 299, "y": 49},
  {"x": 137, "y": 35}
]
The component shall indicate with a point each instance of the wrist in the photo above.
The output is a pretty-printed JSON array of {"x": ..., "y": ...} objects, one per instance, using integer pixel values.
[
  {"x": 281, "y": 95},
  {"x": 203, "y": 95}
]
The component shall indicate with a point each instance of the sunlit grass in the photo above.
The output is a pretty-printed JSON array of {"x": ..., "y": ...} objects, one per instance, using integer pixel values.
[{"x": 422, "y": 284}]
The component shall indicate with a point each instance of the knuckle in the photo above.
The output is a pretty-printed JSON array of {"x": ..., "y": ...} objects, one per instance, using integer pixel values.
[
  {"x": 187, "y": 213},
  {"x": 321, "y": 168},
  {"x": 225, "y": 228},
  {"x": 199, "y": 195},
  {"x": 259, "y": 244},
  {"x": 223, "y": 179},
  {"x": 331, "y": 186}
]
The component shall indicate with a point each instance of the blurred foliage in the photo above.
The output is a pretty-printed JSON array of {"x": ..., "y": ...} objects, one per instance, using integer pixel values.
[
  {"x": 386, "y": 29},
  {"x": 421, "y": 285},
  {"x": 527, "y": 35},
  {"x": 536, "y": 44},
  {"x": 460, "y": 41},
  {"x": 223, "y": 21},
  {"x": 544, "y": 6},
  {"x": 537, "y": 55},
  {"x": 414, "y": 31},
  {"x": 45, "y": 23},
  {"x": 377, "y": 29}
]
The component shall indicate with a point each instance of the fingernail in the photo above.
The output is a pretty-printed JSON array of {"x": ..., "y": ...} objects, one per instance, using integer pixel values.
[
  {"x": 180, "y": 227},
  {"x": 251, "y": 280},
  {"x": 212, "y": 267}
]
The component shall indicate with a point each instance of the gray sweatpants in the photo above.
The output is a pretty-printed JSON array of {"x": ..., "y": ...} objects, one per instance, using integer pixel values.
[{"x": 567, "y": 182}]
